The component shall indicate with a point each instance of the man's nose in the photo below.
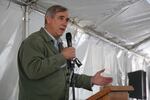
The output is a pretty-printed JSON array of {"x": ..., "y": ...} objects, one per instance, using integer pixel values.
[{"x": 65, "y": 23}]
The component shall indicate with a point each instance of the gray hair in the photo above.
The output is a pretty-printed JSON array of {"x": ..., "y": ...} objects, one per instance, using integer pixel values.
[{"x": 51, "y": 11}]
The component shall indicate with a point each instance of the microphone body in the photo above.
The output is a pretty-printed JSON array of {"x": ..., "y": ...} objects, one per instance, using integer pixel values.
[
  {"x": 71, "y": 65},
  {"x": 69, "y": 43}
]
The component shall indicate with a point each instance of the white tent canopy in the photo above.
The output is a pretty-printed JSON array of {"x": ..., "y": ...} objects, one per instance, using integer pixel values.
[
  {"x": 125, "y": 22},
  {"x": 110, "y": 34}
]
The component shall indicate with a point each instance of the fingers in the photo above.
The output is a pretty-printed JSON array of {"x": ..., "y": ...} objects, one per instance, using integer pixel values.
[
  {"x": 69, "y": 53},
  {"x": 107, "y": 79},
  {"x": 100, "y": 80}
]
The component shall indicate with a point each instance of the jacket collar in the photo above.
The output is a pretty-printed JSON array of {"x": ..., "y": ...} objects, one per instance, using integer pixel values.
[
  {"x": 45, "y": 35},
  {"x": 48, "y": 39}
]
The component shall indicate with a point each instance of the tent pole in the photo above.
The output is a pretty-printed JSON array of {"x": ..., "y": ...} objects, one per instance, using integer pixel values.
[{"x": 26, "y": 20}]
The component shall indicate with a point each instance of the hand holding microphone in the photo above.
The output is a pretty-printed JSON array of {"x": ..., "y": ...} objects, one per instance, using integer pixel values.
[{"x": 70, "y": 51}]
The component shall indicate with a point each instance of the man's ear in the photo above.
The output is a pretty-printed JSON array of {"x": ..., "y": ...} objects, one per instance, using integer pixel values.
[{"x": 48, "y": 19}]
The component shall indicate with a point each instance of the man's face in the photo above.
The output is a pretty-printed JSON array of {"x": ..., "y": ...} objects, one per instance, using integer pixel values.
[{"x": 57, "y": 24}]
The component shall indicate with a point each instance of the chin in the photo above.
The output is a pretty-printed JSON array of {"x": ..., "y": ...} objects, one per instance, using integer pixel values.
[{"x": 60, "y": 34}]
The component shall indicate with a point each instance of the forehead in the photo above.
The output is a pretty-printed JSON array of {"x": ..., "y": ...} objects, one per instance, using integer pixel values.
[{"x": 63, "y": 14}]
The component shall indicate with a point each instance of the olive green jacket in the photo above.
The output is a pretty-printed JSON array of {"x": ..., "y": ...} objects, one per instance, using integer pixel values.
[{"x": 41, "y": 76}]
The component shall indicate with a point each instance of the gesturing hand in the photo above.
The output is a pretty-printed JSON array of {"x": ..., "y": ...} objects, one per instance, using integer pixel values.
[{"x": 98, "y": 79}]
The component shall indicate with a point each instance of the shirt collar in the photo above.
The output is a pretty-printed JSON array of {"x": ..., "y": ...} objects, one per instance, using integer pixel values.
[{"x": 49, "y": 34}]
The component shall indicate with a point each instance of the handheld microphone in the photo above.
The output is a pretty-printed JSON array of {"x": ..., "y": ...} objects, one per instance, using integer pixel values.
[
  {"x": 69, "y": 39},
  {"x": 69, "y": 43}
]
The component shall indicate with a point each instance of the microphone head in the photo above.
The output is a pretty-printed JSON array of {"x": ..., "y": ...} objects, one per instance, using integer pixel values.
[
  {"x": 69, "y": 39},
  {"x": 68, "y": 36}
]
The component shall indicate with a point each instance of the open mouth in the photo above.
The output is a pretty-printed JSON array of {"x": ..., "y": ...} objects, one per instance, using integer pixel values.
[{"x": 63, "y": 29}]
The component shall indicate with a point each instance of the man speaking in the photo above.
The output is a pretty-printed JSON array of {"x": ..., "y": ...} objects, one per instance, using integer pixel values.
[{"x": 43, "y": 70}]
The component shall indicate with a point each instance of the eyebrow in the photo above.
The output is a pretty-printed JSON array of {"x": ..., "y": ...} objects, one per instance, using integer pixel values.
[{"x": 66, "y": 18}]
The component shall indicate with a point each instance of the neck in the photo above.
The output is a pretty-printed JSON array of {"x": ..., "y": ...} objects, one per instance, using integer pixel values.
[{"x": 51, "y": 33}]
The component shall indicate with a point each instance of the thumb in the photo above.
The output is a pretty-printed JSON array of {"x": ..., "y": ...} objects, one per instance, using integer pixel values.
[{"x": 101, "y": 71}]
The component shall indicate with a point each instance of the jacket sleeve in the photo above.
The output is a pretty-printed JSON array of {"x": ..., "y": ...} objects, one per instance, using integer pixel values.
[
  {"x": 33, "y": 61},
  {"x": 83, "y": 81}
]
